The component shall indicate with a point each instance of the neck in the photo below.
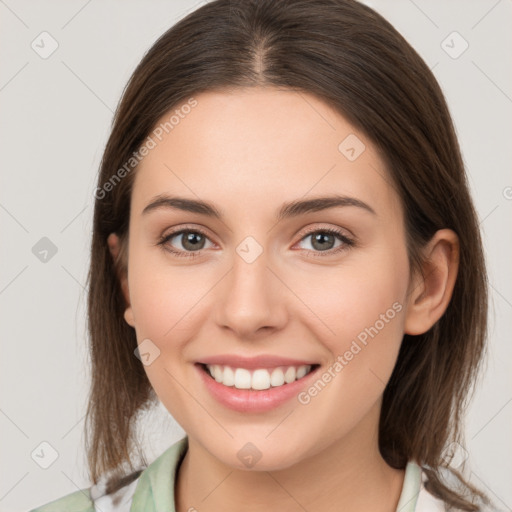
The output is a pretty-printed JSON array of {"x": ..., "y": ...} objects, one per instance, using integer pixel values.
[{"x": 349, "y": 473}]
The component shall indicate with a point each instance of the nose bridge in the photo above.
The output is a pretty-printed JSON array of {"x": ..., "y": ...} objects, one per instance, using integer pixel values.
[{"x": 250, "y": 296}]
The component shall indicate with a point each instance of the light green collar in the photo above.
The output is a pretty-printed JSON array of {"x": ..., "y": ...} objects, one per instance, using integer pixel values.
[
  {"x": 410, "y": 489},
  {"x": 155, "y": 490}
]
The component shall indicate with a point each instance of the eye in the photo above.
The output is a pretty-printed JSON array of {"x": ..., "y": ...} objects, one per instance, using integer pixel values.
[
  {"x": 324, "y": 241},
  {"x": 192, "y": 241}
]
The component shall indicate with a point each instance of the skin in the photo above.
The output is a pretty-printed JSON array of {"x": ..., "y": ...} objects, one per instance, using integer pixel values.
[{"x": 248, "y": 152}]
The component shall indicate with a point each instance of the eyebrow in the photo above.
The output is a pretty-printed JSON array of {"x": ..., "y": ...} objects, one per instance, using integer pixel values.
[{"x": 287, "y": 210}]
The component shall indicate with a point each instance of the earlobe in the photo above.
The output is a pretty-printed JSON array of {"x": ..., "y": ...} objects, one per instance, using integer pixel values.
[
  {"x": 114, "y": 248},
  {"x": 430, "y": 294},
  {"x": 128, "y": 316}
]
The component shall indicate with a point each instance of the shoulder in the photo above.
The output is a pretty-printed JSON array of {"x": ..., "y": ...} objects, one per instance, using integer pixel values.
[
  {"x": 94, "y": 499},
  {"x": 139, "y": 487},
  {"x": 79, "y": 501}
]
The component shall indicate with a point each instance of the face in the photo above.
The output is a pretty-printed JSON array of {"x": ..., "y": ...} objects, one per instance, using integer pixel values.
[{"x": 324, "y": 287}]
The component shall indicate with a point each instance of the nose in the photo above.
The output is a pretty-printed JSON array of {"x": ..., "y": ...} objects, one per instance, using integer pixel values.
[{"x": 251, "y": 300}]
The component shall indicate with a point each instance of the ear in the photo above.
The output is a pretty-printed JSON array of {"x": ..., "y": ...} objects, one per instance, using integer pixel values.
[
  {"x": 114, "y": 246},
  {"x": 430, "y": 293}
]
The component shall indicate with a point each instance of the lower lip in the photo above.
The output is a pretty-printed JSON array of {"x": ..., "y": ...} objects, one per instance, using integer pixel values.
[{"x": 250, "y": 400}]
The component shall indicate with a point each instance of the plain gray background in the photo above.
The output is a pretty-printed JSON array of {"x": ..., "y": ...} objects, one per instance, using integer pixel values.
[{"x": 56, "y": 115}]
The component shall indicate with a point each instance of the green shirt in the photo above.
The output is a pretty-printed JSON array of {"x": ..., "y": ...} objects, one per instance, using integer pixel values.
[{"x": 153, "y": 491}]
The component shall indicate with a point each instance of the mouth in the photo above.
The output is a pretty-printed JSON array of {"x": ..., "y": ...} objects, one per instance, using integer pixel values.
[
  {"x": 258, "y": 390},
  {"x": 258, "y": 379}
]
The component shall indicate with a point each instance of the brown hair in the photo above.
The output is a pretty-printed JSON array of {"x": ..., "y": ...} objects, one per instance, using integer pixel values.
[{"x": 354, "y": 60}]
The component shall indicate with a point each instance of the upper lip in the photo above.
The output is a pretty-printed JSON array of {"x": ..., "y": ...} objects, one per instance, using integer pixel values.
[{"x": 262, "y": 361}]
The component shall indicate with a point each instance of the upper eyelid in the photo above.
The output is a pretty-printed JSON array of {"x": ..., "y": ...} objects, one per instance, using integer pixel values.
[{"x": 337, "y": 228}]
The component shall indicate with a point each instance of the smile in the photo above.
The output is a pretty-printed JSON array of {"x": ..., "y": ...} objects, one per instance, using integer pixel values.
[
  {"x": 258, "y": 379},
  {"x": 257, "y": 390}
]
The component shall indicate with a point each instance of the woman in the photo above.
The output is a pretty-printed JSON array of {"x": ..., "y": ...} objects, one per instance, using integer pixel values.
[{"x": 286, "y": 255}]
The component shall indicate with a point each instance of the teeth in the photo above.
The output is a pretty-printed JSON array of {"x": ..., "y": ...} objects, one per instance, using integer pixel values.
[
  {"x": 277, "y": 378},
  {"x": 301, "y": 371},
  {"x": 259, "y": 379}
]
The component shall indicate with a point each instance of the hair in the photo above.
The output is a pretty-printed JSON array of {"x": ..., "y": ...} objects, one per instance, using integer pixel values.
[{"x": 355, "y": 61}]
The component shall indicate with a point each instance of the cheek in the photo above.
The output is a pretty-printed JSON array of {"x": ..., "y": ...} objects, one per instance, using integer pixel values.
[
  {"x": 165, "y": 303},
  {"x": 163, "y": 296},
  {"x": 361, "y": 304},
  {"x": 363, "y": 309}
]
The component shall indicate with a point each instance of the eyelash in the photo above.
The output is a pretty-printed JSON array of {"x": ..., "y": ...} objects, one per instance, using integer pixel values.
[{"x": 347, "y": 242}]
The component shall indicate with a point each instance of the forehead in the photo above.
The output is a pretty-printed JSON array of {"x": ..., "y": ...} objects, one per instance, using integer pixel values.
[{"x": 260, "y": 145}]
